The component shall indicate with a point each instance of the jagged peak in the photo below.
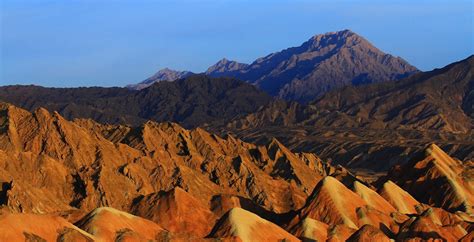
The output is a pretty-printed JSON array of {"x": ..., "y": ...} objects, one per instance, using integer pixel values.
[
  {"x": 12, "y": 111},
  {"x": 275, "y": 146},
  {"x": 162, "y": 125},
  {"x": 343, "y": 202},
  {"x": 42, "y": 111},
  {"x": 165, "y": 74},
  {"x": 334, "y": 187},
  {"x": 178, "y": 192},
  {"x": 167, "y": 70},
  {"x": 445, "y": 163},
  {"x": 274, "y": 141},
  {"x": 225, "y": 65},
  {"x": 223, "y": 61},
  {"x": 340, "y": 38},
  {"x": 344, "y": 32}
]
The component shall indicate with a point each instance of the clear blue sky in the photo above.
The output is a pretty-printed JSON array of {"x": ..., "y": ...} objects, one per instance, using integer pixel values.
[{"x": 114, "y": 43}]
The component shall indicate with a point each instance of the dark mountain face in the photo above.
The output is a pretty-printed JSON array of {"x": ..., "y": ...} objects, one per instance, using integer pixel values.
[
  {"x": 441, "y": 99},
  {"x": 375, "y": 120},
  {"x": 321, "y": 64},
  {"x": 162, "y": 75},
  {"x": 192, "y": 101},
  {"x": 438, "y": 100}
]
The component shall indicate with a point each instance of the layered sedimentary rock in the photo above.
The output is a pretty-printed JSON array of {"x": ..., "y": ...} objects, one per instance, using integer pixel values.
[
  {"x": 449, "y": 181},
  {"x": 84, "y": 181}
]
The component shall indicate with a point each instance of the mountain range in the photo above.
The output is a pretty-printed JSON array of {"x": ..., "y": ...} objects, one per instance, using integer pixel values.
[
  {"x": 323, "y": 63},
  {"x": 85, "y": 181},
  {"x": 192, "y": 101},
  {"x": 329, "y": 141},
  {"x": 355, "y": 126},
  {"x": 162, "y": 75},
  {"x": 359, "y": 126}
]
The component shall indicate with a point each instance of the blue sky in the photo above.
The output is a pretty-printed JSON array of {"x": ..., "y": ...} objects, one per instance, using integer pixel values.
[{"x": 114, "y": 43}]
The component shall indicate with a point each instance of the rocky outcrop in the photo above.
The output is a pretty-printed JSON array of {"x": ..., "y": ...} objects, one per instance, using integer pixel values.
[
  {"x": 449, "y": 181},
  {"x": 84, "y": 181},
  {"x": 65, "y": 165},
  {"x": 177, "y": 212}
]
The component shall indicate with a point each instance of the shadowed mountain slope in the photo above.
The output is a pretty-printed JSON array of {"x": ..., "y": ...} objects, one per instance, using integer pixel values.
[
  {"x": 191, "y": 102},
  {"x": 321, "y": 64},
  {"x": 450, "y": 182},
  {"x": 441, "y": 99},
  {"x": 360, "y": 126}
]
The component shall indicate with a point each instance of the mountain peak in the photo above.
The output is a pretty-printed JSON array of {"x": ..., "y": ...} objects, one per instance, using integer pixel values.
[
  {"x": 338, "y": 39},
  {"x": 225, "y": 67},
  {"x": 344, "y": 32},
  {"x": 324, "y": 62},
  {"x": 165, "y": 74},
  {"x": 224, "y": 60}
]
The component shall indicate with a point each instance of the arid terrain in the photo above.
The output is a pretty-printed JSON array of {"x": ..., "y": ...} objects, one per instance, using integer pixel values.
[
  {"x": 80, "y": 180},
  {"x": 333, "y": 140}
]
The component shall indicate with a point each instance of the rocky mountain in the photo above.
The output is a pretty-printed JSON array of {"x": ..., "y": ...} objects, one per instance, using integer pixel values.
[
  {"x": 84, "y": 181},
  {"x": 452, "y": 185},
  {"x": 225, "y": 67},
  {"x": 165, "y": 74},
  {"x": 358, "y": 127},
  {"x": 361, "y": 126},
  {"x": 441, "y": 99},
  {"x": 222, "y": 68},
  {"x": 323, "y": 63},
  {"x": 70, "y": 167},
  {"x": 192, "y": 101}
]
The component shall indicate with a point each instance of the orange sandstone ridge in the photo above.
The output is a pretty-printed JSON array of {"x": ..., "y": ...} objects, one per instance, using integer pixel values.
[{"x": 79, "y": 180}]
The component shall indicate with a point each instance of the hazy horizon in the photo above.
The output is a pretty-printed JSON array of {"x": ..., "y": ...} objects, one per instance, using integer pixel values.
[{"x": 114, "y": 43}]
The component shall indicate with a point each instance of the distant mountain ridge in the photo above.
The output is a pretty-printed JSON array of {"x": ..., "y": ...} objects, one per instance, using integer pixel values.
[
  {"x": 375, "y": 120},
  {"x": 165, "y": 74},
  {"x": 226, "y": 67},
  {"x": 323, "y": 63},
  {"x": 192, "y": 101},
  {"x": 441, "y": 99}
]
